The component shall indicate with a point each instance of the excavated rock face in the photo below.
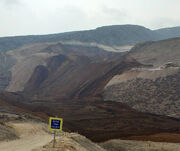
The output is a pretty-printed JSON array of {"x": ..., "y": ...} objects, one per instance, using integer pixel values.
[
  {"x": 68, "y": 81},
  {"x": 15, "y": 75},
  {"x": 153, "y": 91},
  {"x": 74, "y": 76},
  {"x": 157, "y": 53}
]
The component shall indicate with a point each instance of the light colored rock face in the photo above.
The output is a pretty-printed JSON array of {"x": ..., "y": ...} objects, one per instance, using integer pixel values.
[
  {"x": 31, "y": 135},
  {"x": 27, "y": 59},
  {"x": 157, "y": 53},
  {"x": 147, "y": 90},
  {"x": 144, "y": 73},
  {"x": 22, "y": 71},
  {"x": 124, "y": 48},
  {"x": 123, "y": 145}
]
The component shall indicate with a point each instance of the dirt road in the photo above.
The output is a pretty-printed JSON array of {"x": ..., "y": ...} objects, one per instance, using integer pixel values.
[{"x": 32, "y": 135}]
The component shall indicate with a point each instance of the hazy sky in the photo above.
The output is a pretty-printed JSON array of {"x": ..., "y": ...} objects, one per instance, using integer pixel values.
[{"x": 22, "y": 17}]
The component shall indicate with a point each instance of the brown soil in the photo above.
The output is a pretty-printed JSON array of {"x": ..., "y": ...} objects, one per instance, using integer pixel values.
[
  {"x": 159, "y": 137},
  {"x": 101, "y": 121}
]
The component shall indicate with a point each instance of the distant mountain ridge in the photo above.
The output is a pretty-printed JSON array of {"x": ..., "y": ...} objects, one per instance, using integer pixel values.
[
  {"x": 115, "y": 35},
  {"x": 167, "y": 33}
]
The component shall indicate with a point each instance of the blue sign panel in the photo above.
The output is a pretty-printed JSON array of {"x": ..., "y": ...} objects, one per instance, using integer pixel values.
[{"x": 55, "y": 124}]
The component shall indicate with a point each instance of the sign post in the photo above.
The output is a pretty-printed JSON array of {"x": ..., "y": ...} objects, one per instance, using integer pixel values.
[
  {"x": 54, "y": 140},
  {"x": 55, "y": 124}
]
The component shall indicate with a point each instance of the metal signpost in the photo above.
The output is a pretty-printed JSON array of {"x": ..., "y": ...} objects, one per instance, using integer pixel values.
[{"x": 55, "y": 124}]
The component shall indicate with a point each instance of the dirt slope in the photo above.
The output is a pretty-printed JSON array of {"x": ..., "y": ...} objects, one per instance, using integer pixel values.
[
  {"x": 31, "y": 136},
  {"x": 74, "y": 76},
  {"x": 34, "y": 135},
  {"x": 6, "y": 132},
  {"x": 157, "y": 53},
  {"x": 28, "y": 57},
  {"x": 71, "y": 142},
  {"x": 122, "y": 145},
  {"x": 97, "y": 119},
  {"x": 156, "y": 88}
]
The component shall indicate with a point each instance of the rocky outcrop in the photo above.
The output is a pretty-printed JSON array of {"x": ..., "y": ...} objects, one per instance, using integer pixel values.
[
  {"x": 157, "y": 53},
  {"x": 154, "y": 92},
  {"x": 76, "y": 76}
]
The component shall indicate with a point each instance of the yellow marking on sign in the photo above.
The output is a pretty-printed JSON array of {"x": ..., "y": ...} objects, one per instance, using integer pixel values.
[{"x": 55, "y": 124}]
